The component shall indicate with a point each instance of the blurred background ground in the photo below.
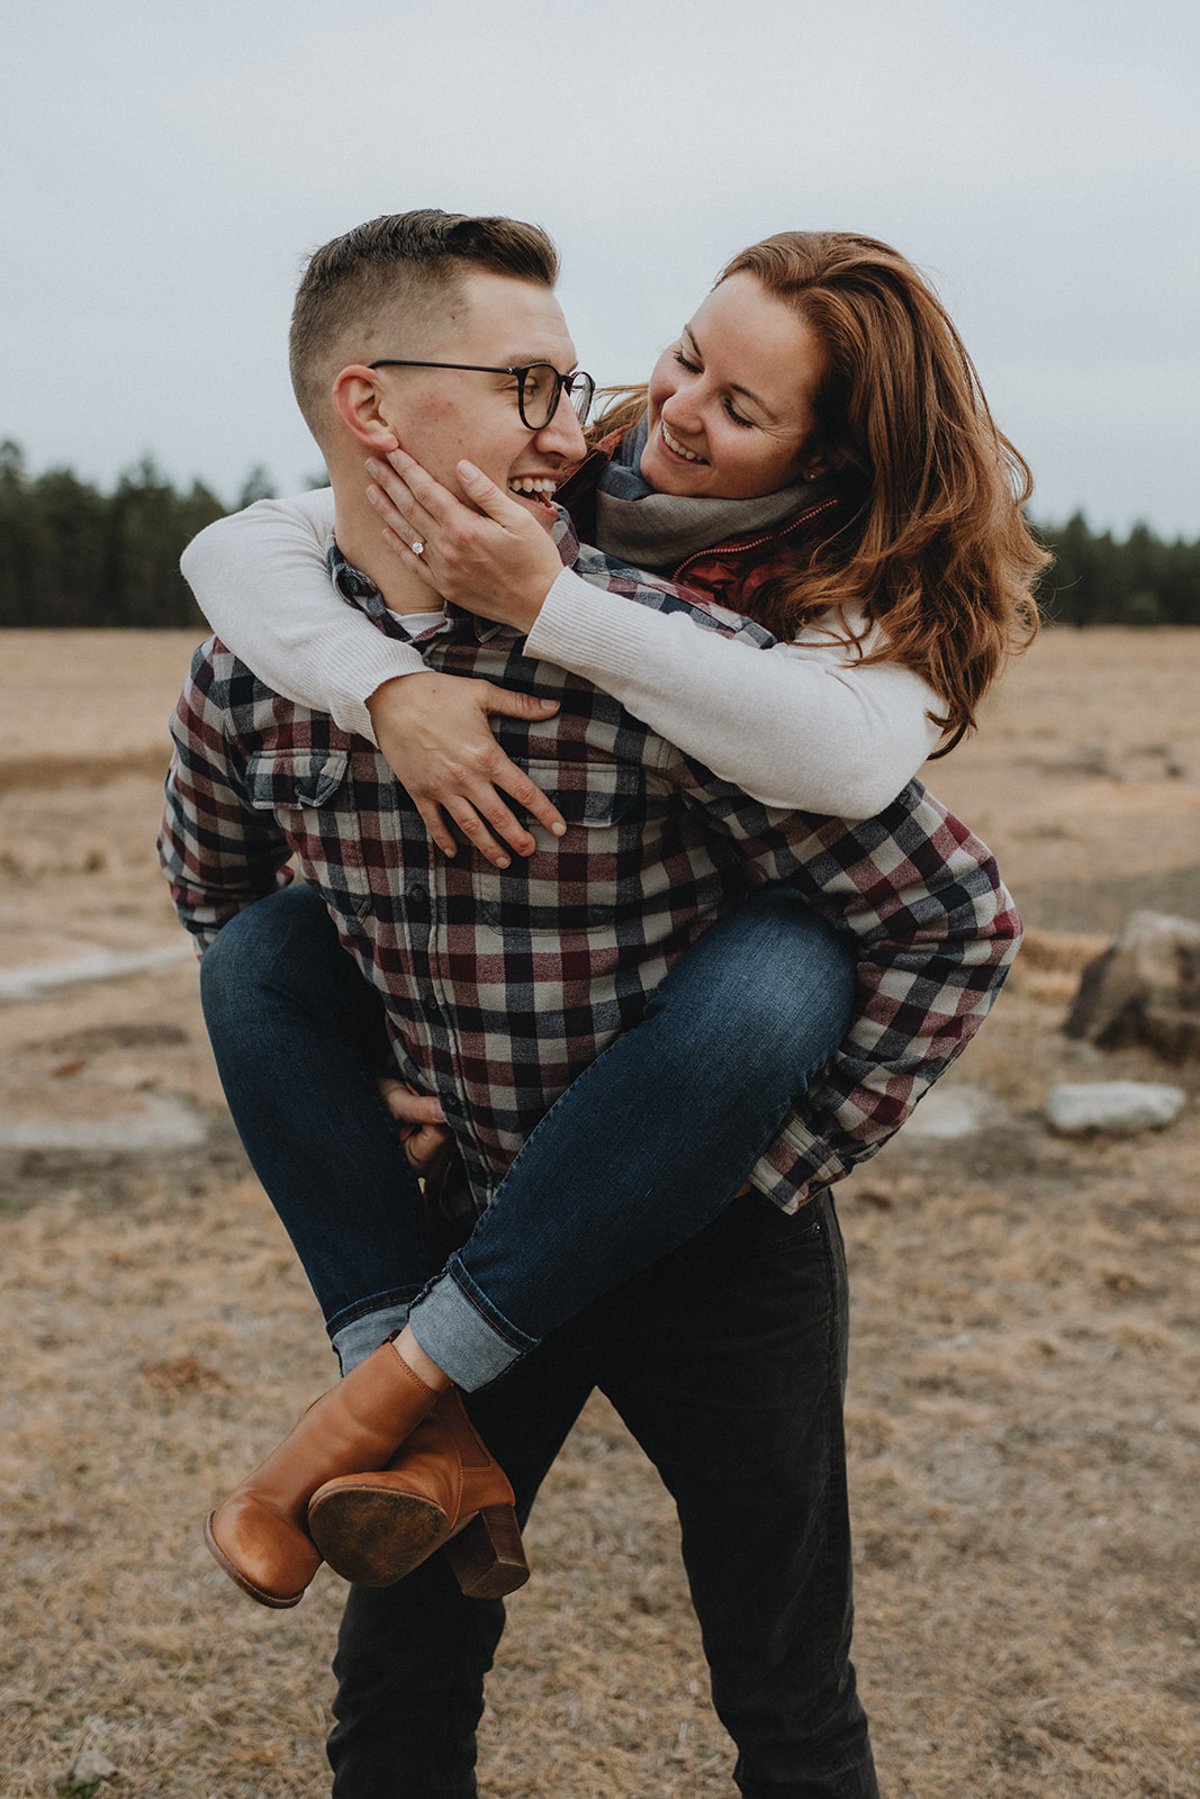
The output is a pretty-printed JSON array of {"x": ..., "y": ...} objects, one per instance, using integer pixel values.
[{"x": 1025, "y": 1381}]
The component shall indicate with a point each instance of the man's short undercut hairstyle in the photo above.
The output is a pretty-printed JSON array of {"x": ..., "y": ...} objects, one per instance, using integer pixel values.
[{"x": 406, "y": 266}]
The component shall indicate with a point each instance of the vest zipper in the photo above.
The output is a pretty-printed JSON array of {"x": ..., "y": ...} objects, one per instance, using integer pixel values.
[{"x": 755, "y": 543}]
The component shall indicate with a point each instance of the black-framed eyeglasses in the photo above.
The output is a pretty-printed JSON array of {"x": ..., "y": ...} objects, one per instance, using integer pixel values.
[{"x": 539, "y": 386}]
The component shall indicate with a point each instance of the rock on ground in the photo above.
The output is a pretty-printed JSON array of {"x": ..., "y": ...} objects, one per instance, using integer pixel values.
[{"x": 1145, "y": 988}]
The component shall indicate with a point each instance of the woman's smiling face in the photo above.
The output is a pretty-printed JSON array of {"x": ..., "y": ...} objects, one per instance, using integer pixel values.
[{"x": 730, "y": 405}]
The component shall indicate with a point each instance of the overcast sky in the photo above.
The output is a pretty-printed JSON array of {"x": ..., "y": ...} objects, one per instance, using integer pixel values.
[{"x": 168, "y": 167}]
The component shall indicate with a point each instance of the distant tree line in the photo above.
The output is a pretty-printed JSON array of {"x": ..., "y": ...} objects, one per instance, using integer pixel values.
[
  {"x": 71, "y": 555},
  {"x": 1098, "y": 579}
]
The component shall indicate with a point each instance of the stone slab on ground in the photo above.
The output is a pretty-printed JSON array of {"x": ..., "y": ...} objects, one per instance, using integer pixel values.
[{"x": 1112, "y": 1108}]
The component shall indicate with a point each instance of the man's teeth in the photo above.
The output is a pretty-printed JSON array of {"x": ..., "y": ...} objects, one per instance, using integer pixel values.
[
  {"x": 537, "y": 487},
  {"x": 688, "y": 455}
]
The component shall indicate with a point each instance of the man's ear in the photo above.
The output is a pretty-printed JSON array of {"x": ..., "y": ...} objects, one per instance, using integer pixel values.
[{"x": 355, "y": 396}]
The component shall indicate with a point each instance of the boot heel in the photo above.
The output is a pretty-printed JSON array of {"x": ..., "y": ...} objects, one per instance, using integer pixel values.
[{"x": 487, "y": 1557}]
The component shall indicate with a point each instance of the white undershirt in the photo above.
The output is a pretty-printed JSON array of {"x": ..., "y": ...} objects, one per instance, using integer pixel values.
[{"x": 415, "y": 623}]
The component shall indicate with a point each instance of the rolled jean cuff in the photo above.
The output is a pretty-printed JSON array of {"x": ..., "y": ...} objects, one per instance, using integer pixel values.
[
  {"x": 467, "y": 1338},
  {"x": 355, "y": 1341}
]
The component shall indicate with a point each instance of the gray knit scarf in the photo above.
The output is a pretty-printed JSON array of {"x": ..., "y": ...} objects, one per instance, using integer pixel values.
[{"x": 652, "y": 530}]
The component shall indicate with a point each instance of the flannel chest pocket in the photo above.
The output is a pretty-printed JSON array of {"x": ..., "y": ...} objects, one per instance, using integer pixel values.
[
  {"x": 582, "y": 880},
  {"x": 308, "y": 793}
]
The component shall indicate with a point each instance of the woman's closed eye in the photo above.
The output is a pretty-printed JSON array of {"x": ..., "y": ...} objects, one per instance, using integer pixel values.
[{"x": 731, "y": 411}]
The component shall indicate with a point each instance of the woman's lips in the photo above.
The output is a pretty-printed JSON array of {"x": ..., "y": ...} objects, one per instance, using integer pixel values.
[{"x": 678, "y": 451}]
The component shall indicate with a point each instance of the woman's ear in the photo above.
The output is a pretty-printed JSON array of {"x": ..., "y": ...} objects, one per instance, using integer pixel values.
[
  {"x": 815, "y": 460},
  {"x": 356, "y": 396}
]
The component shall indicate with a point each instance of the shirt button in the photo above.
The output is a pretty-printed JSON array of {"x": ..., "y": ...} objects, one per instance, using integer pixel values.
[{"x": 417, "y": 895}]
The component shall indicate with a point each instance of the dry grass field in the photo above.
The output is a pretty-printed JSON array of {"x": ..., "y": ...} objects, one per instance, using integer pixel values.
[{"x": 1025, "y": 1377}]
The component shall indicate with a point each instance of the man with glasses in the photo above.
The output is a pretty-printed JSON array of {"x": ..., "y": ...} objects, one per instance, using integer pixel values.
[{"x": 726, "y": 1371}]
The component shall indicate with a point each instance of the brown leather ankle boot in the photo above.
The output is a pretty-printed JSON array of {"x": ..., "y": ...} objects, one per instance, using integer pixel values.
[
  {"x": 442, "y": 1488},
  {"x": 259, "y": 1534}
]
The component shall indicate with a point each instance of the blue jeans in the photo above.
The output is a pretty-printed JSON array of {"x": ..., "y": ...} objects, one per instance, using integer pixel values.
[{"x": 642, "y": 1151}]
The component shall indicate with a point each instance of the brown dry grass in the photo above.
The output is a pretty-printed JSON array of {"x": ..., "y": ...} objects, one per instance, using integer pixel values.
[{"x": 1025, "y": 1399}]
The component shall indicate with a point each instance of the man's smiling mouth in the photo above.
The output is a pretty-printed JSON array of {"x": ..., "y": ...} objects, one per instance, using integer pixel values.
[{"x": 534, "y": 487}]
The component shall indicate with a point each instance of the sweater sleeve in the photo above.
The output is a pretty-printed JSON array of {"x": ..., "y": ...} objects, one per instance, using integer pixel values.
[
  {"x": 261, "y": 580},
  {"x": 800, "y": 726}
]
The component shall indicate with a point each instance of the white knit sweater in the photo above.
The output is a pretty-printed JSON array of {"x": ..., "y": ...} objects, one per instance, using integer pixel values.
[{"x": 802, "y": 725}]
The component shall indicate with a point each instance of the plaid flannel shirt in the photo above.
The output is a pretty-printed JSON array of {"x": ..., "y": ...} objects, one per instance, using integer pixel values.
[{"x": 502, "y": 986}]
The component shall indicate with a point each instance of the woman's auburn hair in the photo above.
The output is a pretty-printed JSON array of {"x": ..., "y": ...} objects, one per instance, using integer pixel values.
[{"x": 933, "y": 544}]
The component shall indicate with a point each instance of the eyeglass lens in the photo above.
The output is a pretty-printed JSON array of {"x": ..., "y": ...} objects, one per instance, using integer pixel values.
[{"x": 543, "y": 385}]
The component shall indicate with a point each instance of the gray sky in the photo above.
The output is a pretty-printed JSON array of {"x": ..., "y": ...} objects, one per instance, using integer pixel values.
[{"x": 168, "y": 167}]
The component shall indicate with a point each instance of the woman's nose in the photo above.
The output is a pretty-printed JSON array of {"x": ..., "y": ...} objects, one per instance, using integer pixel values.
[{"x": 681, "y": 409}]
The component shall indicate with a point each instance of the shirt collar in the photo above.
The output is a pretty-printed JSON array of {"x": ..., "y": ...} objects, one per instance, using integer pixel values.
[{"x": 359, "y": 590}]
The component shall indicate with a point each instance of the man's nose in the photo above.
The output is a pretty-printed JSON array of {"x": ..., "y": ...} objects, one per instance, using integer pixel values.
[{"x": 563, "y": 436}]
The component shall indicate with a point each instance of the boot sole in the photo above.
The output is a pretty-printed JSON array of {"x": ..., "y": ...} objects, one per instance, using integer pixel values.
[{"x": 374, "y": 1538}]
